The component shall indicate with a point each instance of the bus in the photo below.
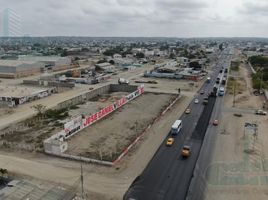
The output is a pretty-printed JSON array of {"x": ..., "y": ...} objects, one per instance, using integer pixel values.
[{"x": 176, "y": 127}]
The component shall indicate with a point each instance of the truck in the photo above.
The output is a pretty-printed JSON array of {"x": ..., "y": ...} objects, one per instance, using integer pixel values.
[
  {"x": 176, "y": 127},
  {"x": 208, "y": 79},
  {"x": 123, "y": 81},
  {"x": 214, "y": 91},
  {"x": 221, "y": 91},
  {"x": 260, "y": 112}
]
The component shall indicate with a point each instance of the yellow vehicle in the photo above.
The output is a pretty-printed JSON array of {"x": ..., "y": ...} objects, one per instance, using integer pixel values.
[
  {"x": 170, "y": 141},
  {"x": 186, "y": 151}
]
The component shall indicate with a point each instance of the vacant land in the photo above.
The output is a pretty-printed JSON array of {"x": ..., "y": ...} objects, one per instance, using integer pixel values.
[
  {"x": 29, "y": 134},
  {"x": 108, "y": 138}
]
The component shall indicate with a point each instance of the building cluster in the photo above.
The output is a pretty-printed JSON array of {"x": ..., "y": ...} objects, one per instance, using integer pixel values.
[{"x": 31, "y": 65}]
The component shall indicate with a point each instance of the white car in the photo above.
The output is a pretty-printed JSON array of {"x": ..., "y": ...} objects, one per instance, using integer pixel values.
[{"x": 196, "y": 101}]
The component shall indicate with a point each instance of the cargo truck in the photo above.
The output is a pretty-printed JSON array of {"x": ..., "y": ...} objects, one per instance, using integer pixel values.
[{"x": 176, "y": 127}]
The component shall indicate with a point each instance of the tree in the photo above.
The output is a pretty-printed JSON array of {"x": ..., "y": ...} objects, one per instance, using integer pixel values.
[
  {"x": 112, "y": 62},
  {"x": 3, "y": 172},
  {"x": 39, "y": 108},
  {"x": 64, "y": 53},
  {"x": 221, "y": 46},
  {"x": 195, "y": 65},
  {"x": 172, "y": 56},
  {"x": 140, "y": 55}
]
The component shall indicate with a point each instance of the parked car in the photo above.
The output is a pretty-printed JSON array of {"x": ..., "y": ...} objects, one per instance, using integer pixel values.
[
  {"x": 187, "y": 111},
  {"x": 260, "y": 112},
  {"x": 215, "y": 122}
]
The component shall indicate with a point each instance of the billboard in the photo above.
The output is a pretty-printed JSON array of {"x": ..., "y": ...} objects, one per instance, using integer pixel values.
[{"x": 79, "y": 123}]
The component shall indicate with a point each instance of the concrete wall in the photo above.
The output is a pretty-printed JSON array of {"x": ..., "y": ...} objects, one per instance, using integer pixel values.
[
  {"x": 91, "y": 94},
  {"x": 48, "y": 83}
]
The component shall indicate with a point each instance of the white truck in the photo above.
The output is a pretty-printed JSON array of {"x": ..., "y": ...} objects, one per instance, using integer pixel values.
[
  {"x": 123, "y": 81},
  {"x": 221, "y": 91},
  {"x": 176, "y": 127}
]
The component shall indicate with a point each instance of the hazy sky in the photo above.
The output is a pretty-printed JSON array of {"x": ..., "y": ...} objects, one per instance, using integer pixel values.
[{"x": 178, "y": 18}]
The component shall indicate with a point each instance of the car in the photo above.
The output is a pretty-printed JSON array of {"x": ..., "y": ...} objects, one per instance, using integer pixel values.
[
  {"x": 215, "y": 122},
  {"x": 170, "y": 141},
  {"x": 187, "y": 111},
  {"x": 196, "y": 101},
  {"x": 202, "y": 92},
  {"x": 260, "y": 112},
  {"x": 186, "y": 151}
]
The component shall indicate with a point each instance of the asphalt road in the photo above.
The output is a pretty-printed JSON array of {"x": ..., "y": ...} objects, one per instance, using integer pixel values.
[
  {"x": 168, "y": 175},
  {"x": 197, "y": 188}
]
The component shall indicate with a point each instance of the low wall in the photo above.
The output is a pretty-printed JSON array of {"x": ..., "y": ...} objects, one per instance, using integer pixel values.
[
  {"x": 91, "y": 94},
  {"x": 56, "y": 143},
  {"x": 48, "y": 83}
]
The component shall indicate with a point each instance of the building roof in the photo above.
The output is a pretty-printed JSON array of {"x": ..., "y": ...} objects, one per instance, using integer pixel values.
[
  {"x": 15, "y": 63},
  {"x": 19, "y": 91},
  {"x": 41, "y": 58}
]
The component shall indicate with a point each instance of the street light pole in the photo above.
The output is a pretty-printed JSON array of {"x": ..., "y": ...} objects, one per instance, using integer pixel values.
[
  {"x": 234, "y": 93},
  {"x": 261, "y": 79}
]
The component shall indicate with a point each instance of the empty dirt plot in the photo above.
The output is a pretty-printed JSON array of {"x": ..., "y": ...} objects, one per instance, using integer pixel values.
[
  {"x": 29, "y": 134},
  {"x": 106, "y": 139}
]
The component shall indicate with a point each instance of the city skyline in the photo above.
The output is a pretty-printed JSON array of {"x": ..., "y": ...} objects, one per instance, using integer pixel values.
[{"x": 152, "y": 18}]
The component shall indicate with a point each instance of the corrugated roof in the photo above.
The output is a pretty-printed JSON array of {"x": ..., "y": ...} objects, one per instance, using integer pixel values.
[{"x": 14, "y": 63}]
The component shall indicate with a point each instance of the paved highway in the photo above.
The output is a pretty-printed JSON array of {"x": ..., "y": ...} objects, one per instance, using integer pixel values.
[
  {"x": 168, "y": 175},
  {"x": 198, "y": 184}
]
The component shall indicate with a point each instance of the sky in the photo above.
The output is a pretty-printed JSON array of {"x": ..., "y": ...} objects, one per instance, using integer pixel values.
[{"x": 142, "y": 18}]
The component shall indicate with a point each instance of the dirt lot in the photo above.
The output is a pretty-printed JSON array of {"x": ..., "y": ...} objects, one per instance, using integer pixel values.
[
  {"x": 108, "y": 138},
  {"x": 240, "y": 161},
  {"x": 29, "y": 134}
]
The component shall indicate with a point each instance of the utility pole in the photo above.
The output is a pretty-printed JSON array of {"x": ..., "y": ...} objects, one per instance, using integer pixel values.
[
  {"x": 82, "y": 181},
  {"x": 261, "y": 80},
  {"x": 234, "y": 92}
]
